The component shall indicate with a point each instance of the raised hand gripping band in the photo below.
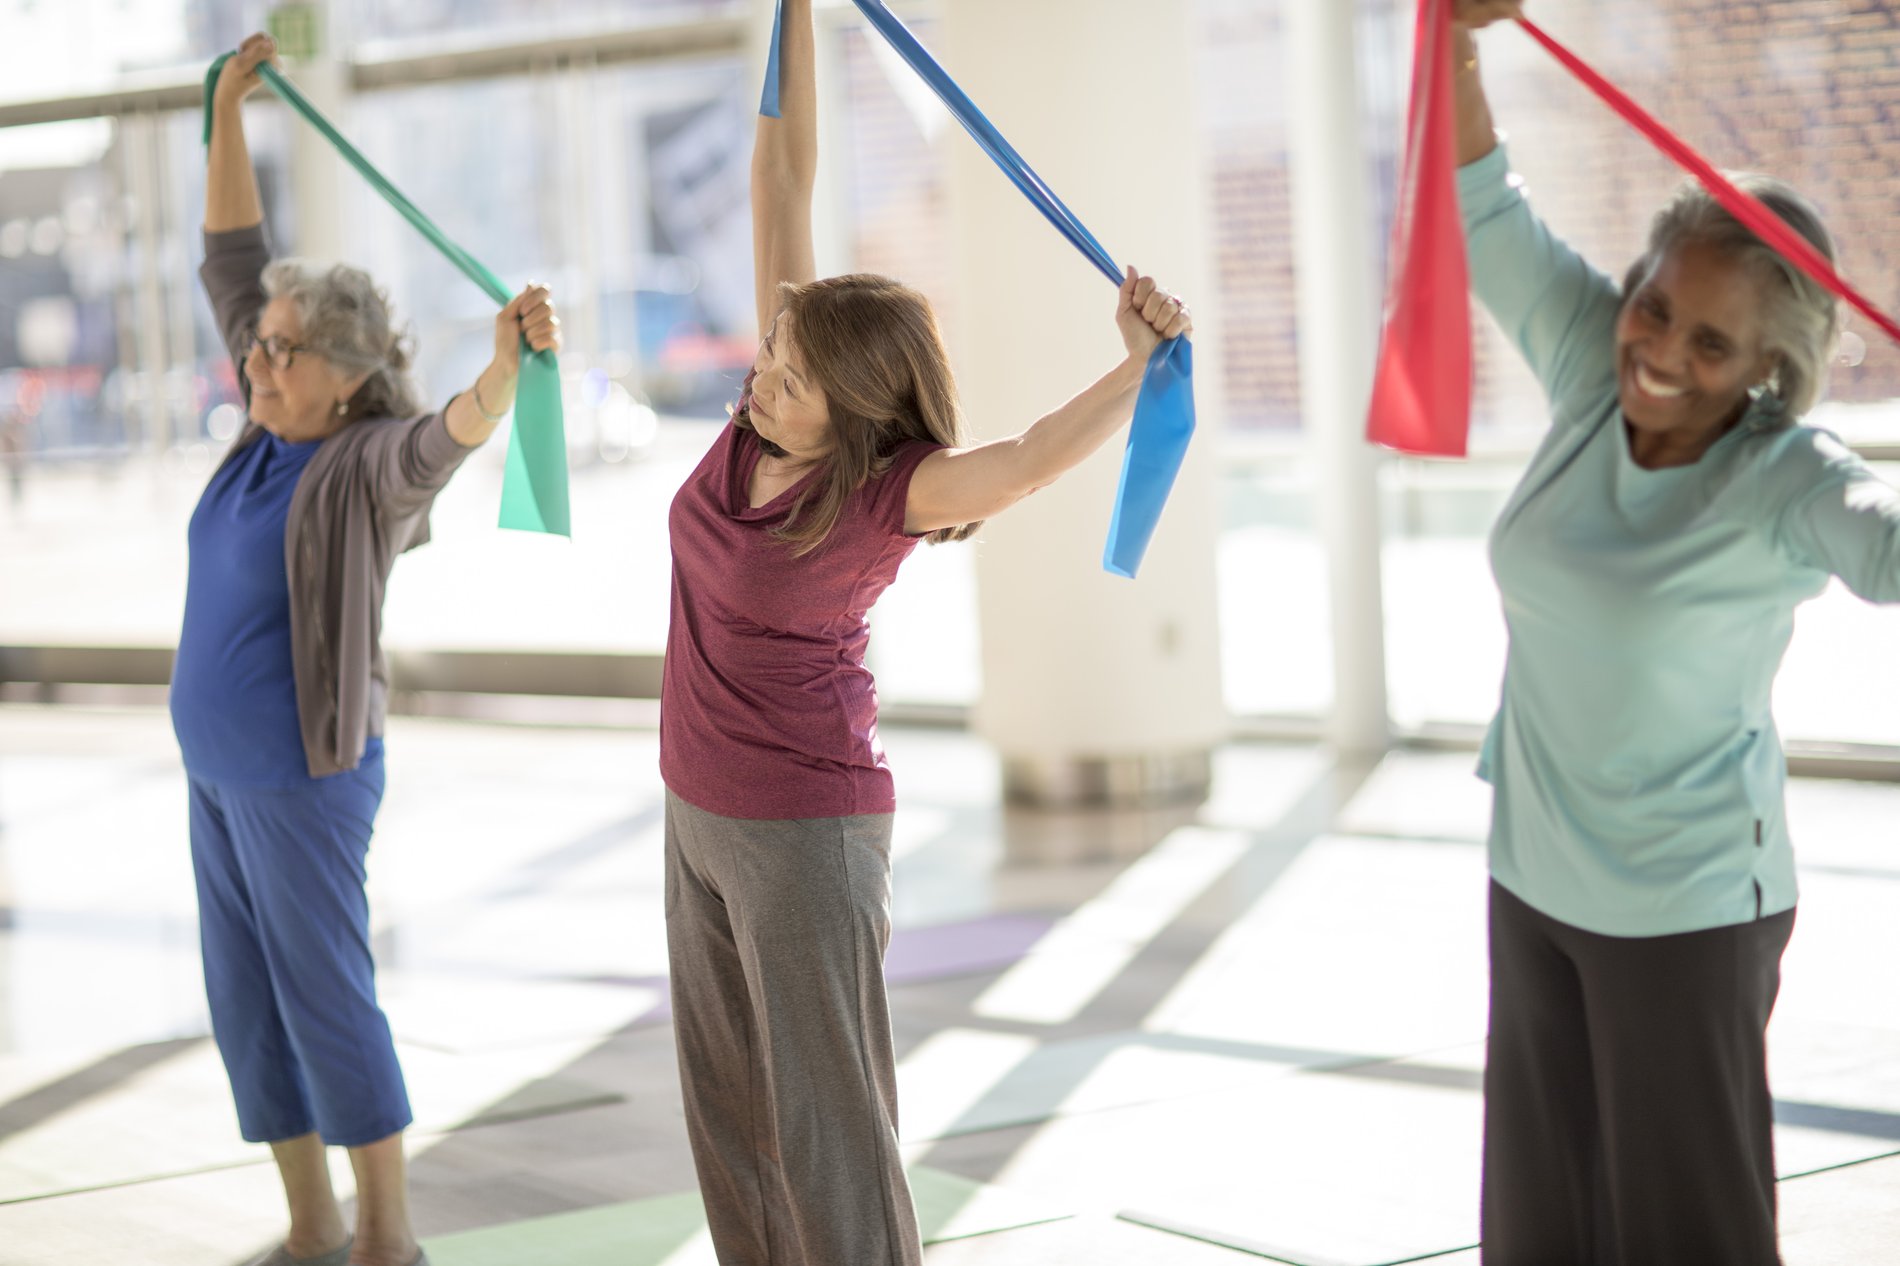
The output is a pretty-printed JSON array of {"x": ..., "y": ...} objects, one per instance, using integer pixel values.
[
  {"x": 534, "y": 480},
  {"x": 1164, "y": 411}
]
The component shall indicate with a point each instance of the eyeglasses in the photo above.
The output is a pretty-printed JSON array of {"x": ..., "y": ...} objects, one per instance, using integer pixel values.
[{"x": 278, "y": 350}]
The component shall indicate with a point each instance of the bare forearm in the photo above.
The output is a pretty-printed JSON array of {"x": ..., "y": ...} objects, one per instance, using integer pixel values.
[
  {"x": 467, "y": 425},
  {"x": 1061, "y": 440},
  {"x": 953, "y": 488},
  {"x": 959, "y": 486},
  {"x": 785, "y": 151},
  {"x": 231, "y": 200},
  {"x": 1477, "y": 134},
  {"x": 785, "y": 169}
]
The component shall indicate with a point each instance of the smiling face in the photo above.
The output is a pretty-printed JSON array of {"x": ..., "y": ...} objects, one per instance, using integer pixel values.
[
  {"x": 297, "y": 403},
  {"x": 788, "y": 409},
  {"x": 1689, "y": 348}
]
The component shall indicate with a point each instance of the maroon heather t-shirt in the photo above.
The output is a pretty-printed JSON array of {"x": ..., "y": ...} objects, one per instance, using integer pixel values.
[{"x": 767, "y": 710}]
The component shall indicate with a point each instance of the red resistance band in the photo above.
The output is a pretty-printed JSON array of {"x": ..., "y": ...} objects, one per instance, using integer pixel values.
[
  {"x": 1421, "y": 393},
  {"x": 1397, "y": 417}
]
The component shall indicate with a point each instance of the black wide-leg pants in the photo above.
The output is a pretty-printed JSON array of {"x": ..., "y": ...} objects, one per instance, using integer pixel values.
[{"x": 1627, "y": 1115}]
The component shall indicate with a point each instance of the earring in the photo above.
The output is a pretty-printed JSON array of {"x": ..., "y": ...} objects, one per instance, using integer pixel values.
[{"x": 342, "y": 407}]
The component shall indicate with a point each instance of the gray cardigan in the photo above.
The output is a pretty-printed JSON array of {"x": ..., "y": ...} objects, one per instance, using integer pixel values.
[{"x": 363, "y": 499}]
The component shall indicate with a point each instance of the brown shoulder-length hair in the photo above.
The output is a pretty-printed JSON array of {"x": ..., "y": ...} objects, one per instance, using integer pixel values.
[{"x": 872, "y": 344}]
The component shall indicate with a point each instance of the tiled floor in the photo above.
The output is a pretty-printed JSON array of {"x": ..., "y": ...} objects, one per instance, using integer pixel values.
[{"x": 1259, "y": 1021}]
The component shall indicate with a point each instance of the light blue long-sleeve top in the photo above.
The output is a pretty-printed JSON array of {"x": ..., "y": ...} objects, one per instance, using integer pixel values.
[{"x": 1637, "y": 774}]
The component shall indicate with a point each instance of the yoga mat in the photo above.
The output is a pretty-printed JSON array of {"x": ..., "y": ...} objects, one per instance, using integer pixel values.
[
  {"x": 460, "y": 1013},
  {"x": 534, "y": 480},
  {"x": 165, "y": 1109},
  {"x": 1323, "y": 1170},
  {"x": 1845, "y": 1215},
  {"x": 1380, "y": 1164},
  {"x": 1164, "y": 411},
  {"x": 1421, "y": 392},
  {"x": 967, "y": 1081},
  {"x": 1338, "y": 910},
  {"x": 946, "y": 950},
  {"x": 649, "y": 1232},
  {"x": 917, "y": 955}
]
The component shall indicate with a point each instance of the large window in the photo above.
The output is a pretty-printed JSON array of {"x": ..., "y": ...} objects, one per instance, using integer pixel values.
[
  {"x": 624, "y": 184},
  {"x": 624, "y": 189},
  {"x": 114, "y": 387},
  {"x": 517, "y": 19}
]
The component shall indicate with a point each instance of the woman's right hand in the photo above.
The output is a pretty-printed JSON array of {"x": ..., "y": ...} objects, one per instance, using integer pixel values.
[
  {"x": 1148, "y": 315},
  {"x": 1473, "y": 14},
  {"x": 238, "y": 79}
]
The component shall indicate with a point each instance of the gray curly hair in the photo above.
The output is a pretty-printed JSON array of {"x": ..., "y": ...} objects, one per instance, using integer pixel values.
[
  {"x": 346, "y": 319},
  {"x": 1801, "y": 319}
]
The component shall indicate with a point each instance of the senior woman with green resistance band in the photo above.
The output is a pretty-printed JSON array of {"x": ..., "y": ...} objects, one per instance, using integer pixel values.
[{"x": 279, "y": 690}]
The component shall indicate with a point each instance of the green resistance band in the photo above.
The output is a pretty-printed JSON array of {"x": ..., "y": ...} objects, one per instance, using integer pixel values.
[{"x": 534, "y": 481}]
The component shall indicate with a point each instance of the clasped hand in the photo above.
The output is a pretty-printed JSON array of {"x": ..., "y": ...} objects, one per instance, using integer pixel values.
[
  {"x": 529, "y": 315},
  {"x": 1473, "y": 14},
  {"x": 1148, "y": 315}
]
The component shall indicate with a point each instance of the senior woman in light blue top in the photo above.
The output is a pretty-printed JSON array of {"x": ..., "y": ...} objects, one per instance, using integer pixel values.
[{"x": 1650, "y": 563}]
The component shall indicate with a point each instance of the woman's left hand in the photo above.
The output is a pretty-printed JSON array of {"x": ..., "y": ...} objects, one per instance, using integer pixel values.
[
  {"x": 1472, "y": 14},
  {"x": 529, "y": 315},
  {"x": 1147, "y": 315}
]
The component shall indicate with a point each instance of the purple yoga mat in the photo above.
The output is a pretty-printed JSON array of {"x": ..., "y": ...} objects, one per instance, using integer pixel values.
[
  {"x": 939, "y": 952},
  {"x": 961, "y": 949}
]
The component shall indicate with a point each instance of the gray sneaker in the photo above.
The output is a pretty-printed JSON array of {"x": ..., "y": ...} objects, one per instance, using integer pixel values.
[{"x": 280, "y": 1256}]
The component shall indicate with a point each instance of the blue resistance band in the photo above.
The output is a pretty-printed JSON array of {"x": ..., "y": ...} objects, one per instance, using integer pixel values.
[
  {"x": 768, "y": 100},
  {"x": 1164, "y": 411}
]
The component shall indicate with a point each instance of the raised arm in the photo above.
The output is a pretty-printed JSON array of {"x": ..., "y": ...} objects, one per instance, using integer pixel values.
[
  {"x": 231, "y": 200},
  {"x": 1477, "y": 135},
  {"x": 474, "y": 414},
  {"x": 964, "y": 485},
  {"x": 406, "y": 465},
  {"x": 1828, "y": 511},
  {"x": 785, "y": 168},
  {"x": 235, "y": 249},
  {"x": 1558, "y": 310}
]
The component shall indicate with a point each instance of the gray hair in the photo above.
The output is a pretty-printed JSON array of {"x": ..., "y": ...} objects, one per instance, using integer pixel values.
[
  {"x": 346, "y": 319},
  {"x": 1801, "y": 319}
]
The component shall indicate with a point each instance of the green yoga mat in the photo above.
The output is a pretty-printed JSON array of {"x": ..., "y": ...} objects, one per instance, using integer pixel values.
[
  {"x": 534, "y": 481},
  {"x": 647, "y": 1232}
]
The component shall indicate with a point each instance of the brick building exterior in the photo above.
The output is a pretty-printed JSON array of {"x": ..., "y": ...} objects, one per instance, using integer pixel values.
[{"x": 1805, "y": 89}]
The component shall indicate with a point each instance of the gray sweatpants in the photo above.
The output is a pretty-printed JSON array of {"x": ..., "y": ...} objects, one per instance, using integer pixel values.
[{"x": 776, "y": 933}]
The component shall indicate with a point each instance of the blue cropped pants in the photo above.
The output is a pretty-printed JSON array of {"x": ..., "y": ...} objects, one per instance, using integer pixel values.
[{"x": 284, "y": 924}]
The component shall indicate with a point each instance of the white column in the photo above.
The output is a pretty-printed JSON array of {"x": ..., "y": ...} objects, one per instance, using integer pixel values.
[
  {"x": 316, "y": 171},
  {"x": 140, "y": 136},
  {"x": 574, "y": 84},
  {"x": 1339, "y": 331},
  {"x": 832, "y": 245},
  {"x": 1095, "y": 687}
]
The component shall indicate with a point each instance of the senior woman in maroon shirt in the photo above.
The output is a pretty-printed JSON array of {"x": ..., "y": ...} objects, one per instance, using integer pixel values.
[{"x": 846, "y": 449}]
